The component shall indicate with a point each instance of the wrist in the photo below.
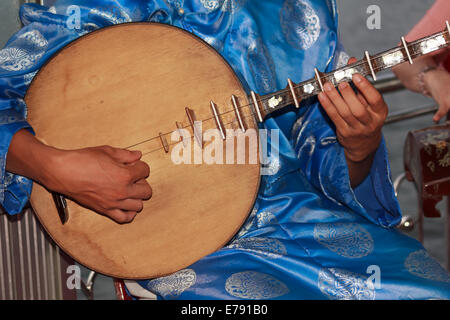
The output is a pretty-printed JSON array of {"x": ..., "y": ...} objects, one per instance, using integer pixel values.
[
  {"x": 29, "y": 157},
  {"x": 48, "y": 162},
  {"x": 433, "y": 78},
  {"x": 358, "y": 156},
  {"x": 359, "y": 166},
  {"x": 421, "y": 80}
]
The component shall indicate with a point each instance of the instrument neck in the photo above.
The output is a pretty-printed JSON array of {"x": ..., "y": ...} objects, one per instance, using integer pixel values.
[{"x": 369, "y": 66}]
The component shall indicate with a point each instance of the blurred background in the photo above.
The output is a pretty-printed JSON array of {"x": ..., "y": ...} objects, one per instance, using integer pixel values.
[{"x": 397, "y": 18}]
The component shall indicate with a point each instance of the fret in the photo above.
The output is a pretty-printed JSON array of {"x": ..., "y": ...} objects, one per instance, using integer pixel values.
[
  {"x": 405, "y": 46},
  {"x": 217, "y": 120},
  {"x": 293, "y": 93},
  {"x": 318, "y": 78},
  {"x": 164, "y": 142},
  {"x": 238, "y": 113},
  {"x": 256, "y": 106},
  {"x": 193, "y": 122},
  {"x": 370, "y": 65}
]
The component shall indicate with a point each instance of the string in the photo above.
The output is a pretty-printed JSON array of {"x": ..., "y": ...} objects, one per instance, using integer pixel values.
[
  {"x": 357, "y": 64},
  {"x": 176, "y": 142}
]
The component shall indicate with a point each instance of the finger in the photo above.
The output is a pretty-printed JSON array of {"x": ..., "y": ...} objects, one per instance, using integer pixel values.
[
  {"x": 132, "y": 205},
  {"x": 358, "y": 109},
  {"x": 341, "y": 106},
  {"x": 121, "y": 216},
  {"x": 140, "y": 190},
  {"x": 372, "y": 96},
  {"x": 439, "y": 114},
  {"x": 330, "y": 109},
  {"x": 351, "y": 60},
  {"x": 362, "y": 99},
  {"x": 124, "y": 156},
  {"x": 138, "y": 171}
]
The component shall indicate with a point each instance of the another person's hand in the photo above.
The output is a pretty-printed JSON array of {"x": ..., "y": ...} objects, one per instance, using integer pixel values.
[
  {"x": 358, "y": 117},
  {"x": 426, "y": 78},
  {"x": 437, "y": 83}
]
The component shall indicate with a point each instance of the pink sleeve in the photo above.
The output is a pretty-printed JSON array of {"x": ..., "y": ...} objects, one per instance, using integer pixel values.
[{"x": 432, "y": 22}]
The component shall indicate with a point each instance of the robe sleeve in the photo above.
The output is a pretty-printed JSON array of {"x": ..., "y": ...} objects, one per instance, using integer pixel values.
[
  {"x": 323, "y": 161},
  {"x": 14, "y": 189}
]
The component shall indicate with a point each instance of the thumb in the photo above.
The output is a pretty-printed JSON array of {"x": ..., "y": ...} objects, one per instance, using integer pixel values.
[
  {"x": 439, "y": 114},
  {"x": 351, "y": 60},
  {"x": 126, "y": 156}
]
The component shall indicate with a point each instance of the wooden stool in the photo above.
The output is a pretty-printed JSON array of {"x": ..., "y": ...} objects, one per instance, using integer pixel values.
[{"x": 427, "y": 165}]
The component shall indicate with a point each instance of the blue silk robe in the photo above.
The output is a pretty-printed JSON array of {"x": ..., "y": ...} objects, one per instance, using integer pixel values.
[{"x": 310, "y": 234}]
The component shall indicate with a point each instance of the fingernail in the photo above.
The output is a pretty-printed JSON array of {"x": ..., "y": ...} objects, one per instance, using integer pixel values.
[
  {"x": 357, "y": 78},
  {"x": 328, "y": 86},
  {"x": 343, "y": 85}
]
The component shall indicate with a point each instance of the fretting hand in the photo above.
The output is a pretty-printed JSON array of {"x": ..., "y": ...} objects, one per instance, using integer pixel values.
[{"x": 359, "y": 118}]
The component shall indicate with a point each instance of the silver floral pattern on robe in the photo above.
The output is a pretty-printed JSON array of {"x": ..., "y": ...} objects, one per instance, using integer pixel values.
[
  {"x": 300, "y": 24},
  {"x": 255, "y": 285},
  {"x": 24, "y": 52},
  {"x": 350, "y": 240},
  {"x": 174, "y": 285},
  {"x": 266, "y": 247},
  {"x": 340, "y": 284},
  {"x": 265, "y": 218},
  {"x": 419, "y": 263}
]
